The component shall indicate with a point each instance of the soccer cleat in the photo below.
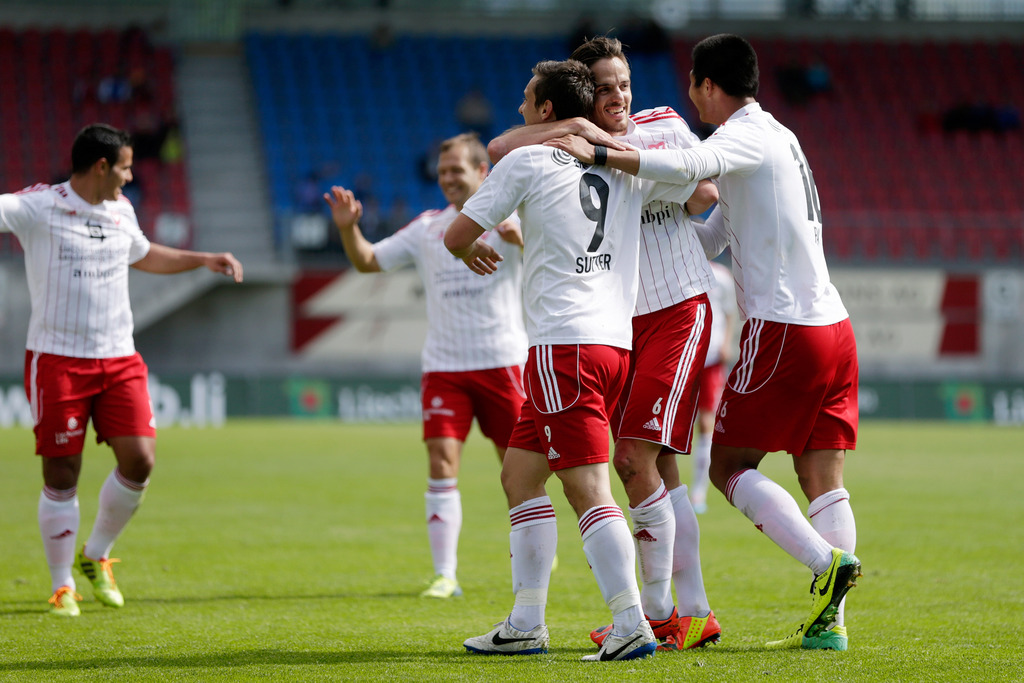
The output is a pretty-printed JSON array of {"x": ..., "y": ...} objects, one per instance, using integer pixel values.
[
  {"x": 828, "y": 589},
  {"x": 662, "y": 628},
  {"x": 792, "y": 641},
  {"x": 640, "y": 643},
  {"x": 834, "y": 638},
  {"x": 65, "y": 602},
  {"x": 101, "y": 575},
  {"x": 442, "y": 587},
  {"x": 694, "y": 632},
  {"x": 504, "y": 639}
]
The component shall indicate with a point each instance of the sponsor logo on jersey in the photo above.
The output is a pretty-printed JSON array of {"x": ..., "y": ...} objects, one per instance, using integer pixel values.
[
  {"x": 653, "y": 424},
  {"x": 719, "y": 428},
  {"x": 661, "y": 216},
  {"x": 95, "y": 231},
  {"x": 553, "y": 454},
  {"x": 592, "y": 264},
  {"x": 658, "y": 145}
]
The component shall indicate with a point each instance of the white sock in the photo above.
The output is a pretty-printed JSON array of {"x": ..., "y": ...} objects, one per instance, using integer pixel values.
[
  {"x": 608, "y": 546},
  {"x": 58, "y": 525},
  {"x": 776, "y": 513},
  {"x": 701, "y": 462},
  {"x": 654, "y": 530},
  {"x": 444, "y": 523},
  {"x": 532, "y": 544},
  {"x": 832, "y": 517},
  {"x": 686, "y": 571},
  {"x": 119, "y": 498}
]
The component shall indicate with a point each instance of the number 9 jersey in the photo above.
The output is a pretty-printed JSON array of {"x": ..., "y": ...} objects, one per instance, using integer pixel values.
[{"x": 581, "y": 229}]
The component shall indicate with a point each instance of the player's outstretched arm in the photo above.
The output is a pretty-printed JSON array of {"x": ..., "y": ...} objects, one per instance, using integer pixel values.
[
  {"x": 346, "y": 211},
  {"x": 168, "y": 260},
  {"x": 539, "y": 133},
  {"x": 461, "y": 239},
  {"x": 627, "y": 160}
]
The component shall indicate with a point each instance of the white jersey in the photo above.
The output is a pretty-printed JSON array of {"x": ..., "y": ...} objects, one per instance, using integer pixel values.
[
  {"x": 76, "y": 259},
  {"x": 673, "y": 267},
  {"x": 473, "y": 322},
  {"x": 771, "y": 216},
  {"x": 581, "y": 227},
  {"x": 723, "y": 307}
]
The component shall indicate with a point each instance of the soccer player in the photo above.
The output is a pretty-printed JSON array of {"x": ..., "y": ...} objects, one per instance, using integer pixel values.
[
  {"x": 79, "y": 239},
  {"x": 476, "y": 341},
  {"x": 581, "y": 229},
  {"x": 794, "y": 386},
  {"x": 712, "y": 380},
  {"x": 654, "y": 417}
]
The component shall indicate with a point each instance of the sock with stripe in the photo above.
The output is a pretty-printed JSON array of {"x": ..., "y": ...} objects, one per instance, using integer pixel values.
[
  {"x": 532, "y": 545},
  {"x": 654, "y": 530},
  {"x": 608, "y": 546},
  {"x": 119, "y": 498},
  {"x": 444, "y": 524},
  {"x": 58, "y": 525},
  {"x": 686, "y": 572},
  {"x": 832, "y": 517},
  {"x": 775, "y": 512}
]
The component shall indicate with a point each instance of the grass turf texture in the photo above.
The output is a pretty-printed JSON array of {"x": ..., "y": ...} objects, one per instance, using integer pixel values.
[{"x": 296, "y": 551}]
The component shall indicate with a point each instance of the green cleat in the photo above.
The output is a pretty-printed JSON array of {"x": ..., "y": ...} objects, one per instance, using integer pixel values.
[
  {"x": 833, "y": 639},
  {"x": 65, "y": 602},
  {"x": 442, "y": 587},
  {"x": 101, "y": 575},
  {"x": 828, "y": 590}
]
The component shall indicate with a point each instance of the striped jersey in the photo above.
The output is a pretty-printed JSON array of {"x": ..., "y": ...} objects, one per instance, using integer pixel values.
[
  {"x": 771, "y": 216},
  {"x": 473, "y": 322},
  {"x": 581, "y": 228},
  {"x": 76, "y": 260},
  {"x": 673, "y": 266},
  {"x": 723, "y": 306}
]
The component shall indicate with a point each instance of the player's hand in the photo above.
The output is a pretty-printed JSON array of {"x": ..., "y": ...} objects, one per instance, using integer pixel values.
[
  {"x": 483, "y": 259},
  {"x": 598, "y": 136},
  {"x": 510, "y": 232},
  {"x": 346, "y": 210},
  {"x": 574, "y": 145},
  {"x": 226, "y": 264}
]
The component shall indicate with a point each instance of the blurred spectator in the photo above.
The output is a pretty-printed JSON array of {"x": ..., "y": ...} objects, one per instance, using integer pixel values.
[
  {"x": 172, "y": 149},
  {"x": 427, "y": 162},
  {"x": 475, "y": 113},
  {"x": 799, "y": 83},
  {"x": 114, "y": 88},
  {"x": 308, "y": 197},
  {"x": 975, "y": 118},
  {"x": 644, "y": 35}
]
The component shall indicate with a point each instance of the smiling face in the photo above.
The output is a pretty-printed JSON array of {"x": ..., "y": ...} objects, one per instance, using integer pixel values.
[
  {"x": 612, "y": 96},
  {"x": 458, "y": 177},
  {"x": 117, "y": 175}
]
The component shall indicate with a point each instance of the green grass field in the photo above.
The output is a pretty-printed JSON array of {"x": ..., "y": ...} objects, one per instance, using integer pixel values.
[{"x": 296, "y": 551}]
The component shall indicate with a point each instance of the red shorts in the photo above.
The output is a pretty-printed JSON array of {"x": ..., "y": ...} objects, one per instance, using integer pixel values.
[
  {"x": 66, "y": 392},
  {"x": 660, "y": 399},
  {"x": 452, "y": 399},
  {"x": 571, "y": 391},
  {"x": 794, "y": 388},
  {"x": 712, "y": 381}
]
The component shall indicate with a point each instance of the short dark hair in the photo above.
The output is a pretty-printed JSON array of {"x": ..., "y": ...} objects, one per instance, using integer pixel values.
[
  {"x": 600, "y": 47},
  {"x": 474, "y": 148},
  {"x": 729, "y": 61},
  {"x": 97, "y": 141},
  {"x": 569, "y": 86}
]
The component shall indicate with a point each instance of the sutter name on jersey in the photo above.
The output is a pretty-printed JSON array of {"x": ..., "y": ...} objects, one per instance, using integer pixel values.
[{"x": 588, "y": 264}]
